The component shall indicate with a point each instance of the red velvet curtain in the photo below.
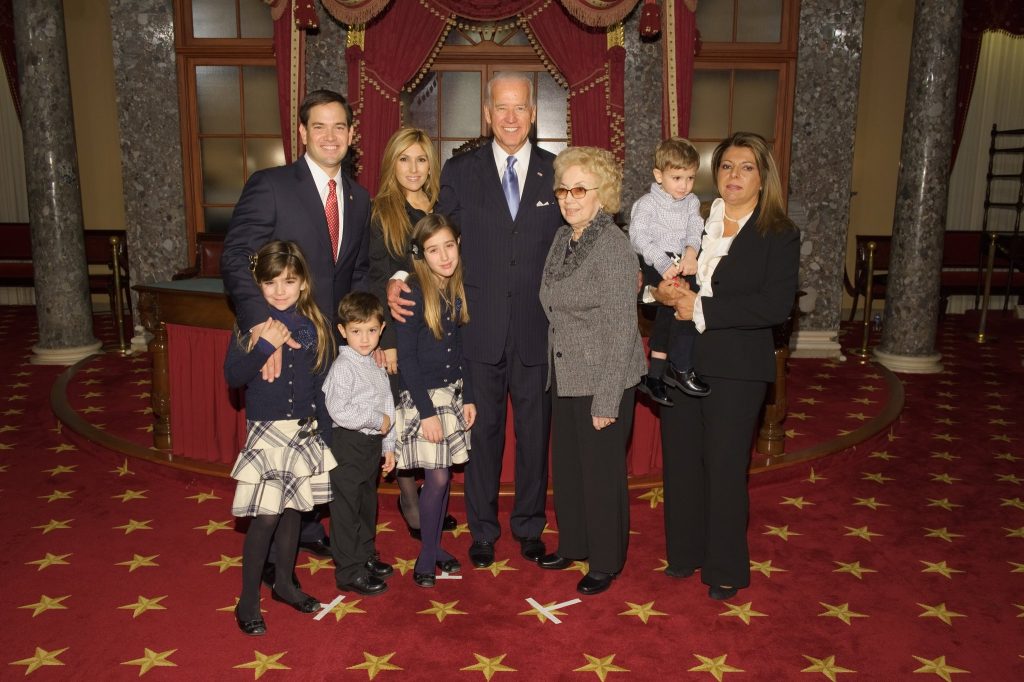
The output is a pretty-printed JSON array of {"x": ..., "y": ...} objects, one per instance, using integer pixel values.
[
  {"x": 679, "y": 33},
  {"x": 980, "y": 16},
  {"x": 7, "y": 51}
]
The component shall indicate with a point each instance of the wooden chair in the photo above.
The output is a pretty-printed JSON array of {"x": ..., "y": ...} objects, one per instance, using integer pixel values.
[{"x": 209, "y": 248}]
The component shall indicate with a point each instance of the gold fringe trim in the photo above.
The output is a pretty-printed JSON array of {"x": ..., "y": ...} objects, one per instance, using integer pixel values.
[
  {"x": 597, "y": 18},
  {"x": 356, "y": 36},
  {"x": 343, "y": 12},
  {"x": 616, "y": 35},
  {"x": 429, "y": 61}
]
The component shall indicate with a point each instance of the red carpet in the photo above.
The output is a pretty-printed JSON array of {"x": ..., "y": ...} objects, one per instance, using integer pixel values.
[{"x": 902, "y": 559}]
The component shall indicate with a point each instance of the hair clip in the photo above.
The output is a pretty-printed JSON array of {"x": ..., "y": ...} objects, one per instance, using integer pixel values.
[
  {"x": 252, "y": 262},
  {"x": 415, "y": 251}
]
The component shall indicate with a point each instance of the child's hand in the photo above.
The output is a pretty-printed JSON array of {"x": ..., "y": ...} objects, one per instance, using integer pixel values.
[
  {"x": 469, "y": 413},
  {"x": 389, "y": 462},
  {"x": 672, "y": 271},
  {"x": 431, "y": 429},
  {"x": 688, "y": 265},
  {"x": 385, "y": 425},
  {"x": 391, "y": 360},
  {"x": 275, "y": 332}
]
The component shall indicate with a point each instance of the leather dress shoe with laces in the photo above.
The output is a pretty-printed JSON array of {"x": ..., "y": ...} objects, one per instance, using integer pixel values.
[
  {"x": 594, "y": 583},
  {"x": 320, "y": 548},
  {"x": 254, "y": 628},
  {"x": 450, "y": 523},
  {"x": 481, "y": 553},
  {"x": 424, "y": 579},
  {"x": 531, "y": 548},
  {"x": 655, "y": 389},
  {"x": 673, "y": 572},
  {"x": 686, "y": 381},
  {"x": 720, "y": 593},
  {"x": 554, "y": 562},
  {"x": 379, "y": 569},
  {"x": 366, "y": 585},
  {"x": 270, "y": 576},
  {"x": 450, "y": 566},
  {"x": 306, "y": 604}
]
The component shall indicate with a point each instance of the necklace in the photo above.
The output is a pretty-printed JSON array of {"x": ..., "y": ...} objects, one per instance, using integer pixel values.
[{"x": 728, "y": 217}]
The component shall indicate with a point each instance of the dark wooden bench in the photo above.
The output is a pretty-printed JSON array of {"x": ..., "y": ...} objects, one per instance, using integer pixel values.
[{"x": 206, "y": 262}]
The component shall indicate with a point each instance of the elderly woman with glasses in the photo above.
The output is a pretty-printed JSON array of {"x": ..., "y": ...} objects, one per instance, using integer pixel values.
[{"x": 595, "y": 361}]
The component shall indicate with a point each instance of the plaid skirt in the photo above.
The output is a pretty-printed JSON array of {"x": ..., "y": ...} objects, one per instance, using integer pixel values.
[
  {"x": 283, "y": 466},
  {"x": 415, "y": 452}
]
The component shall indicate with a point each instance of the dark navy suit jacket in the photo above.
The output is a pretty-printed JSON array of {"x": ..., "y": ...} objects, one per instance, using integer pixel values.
[
  {"x": 283, "y": 203},
  {"x": 502, "y": 259}
]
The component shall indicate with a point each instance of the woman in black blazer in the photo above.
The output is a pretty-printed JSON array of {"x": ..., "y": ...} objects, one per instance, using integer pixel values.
[{"x": 747, "y": 270}]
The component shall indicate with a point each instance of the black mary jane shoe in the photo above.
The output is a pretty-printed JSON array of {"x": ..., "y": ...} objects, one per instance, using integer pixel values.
[
  {"x": 656, "y": 390},
  {"x": 553, "y": 562},
  {"x": 414, "y": 533},
  {"x": 253, "y": 628},
  {"x": 686, "y": 381},
  {"x": 424, "y": 579},
  {"x": 719, "y": 593},
  {"x": 673, "y": 572},
  {"x": 450, "y": 566},
  {"x": 450, "y": 523},
  {"x": 305, "y": 605},
  {"x": 594, "y": 583}
]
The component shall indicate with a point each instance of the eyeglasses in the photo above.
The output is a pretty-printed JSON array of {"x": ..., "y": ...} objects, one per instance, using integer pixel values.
[{"x": 576, "y": 192}]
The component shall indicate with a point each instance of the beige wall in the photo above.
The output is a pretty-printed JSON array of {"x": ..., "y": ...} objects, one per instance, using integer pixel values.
[{"x": 97, "y": 136}]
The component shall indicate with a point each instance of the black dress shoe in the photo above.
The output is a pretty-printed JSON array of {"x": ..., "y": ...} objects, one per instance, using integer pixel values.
[
  {"x": 254, "y": 627},
  {"x": 686, "y": 381},
  {"x": 674, "y": 572},
  {"x": 594, "y": 583},
  {"x": 450, "y": 523},
  {"x": 379, "y": 569},
  {"x": 270, "y": 576},
  {"x": 718, "y": 592},
  {"x": 655, "y": 390},
  {"x": 554, "y": 562},
  {"x": 424, "y": 579},
  {"x": 366, "y": 585},
  {"x": 531, "y": 548},
  {"x": 481, "y": 553},
  {"x": 305, "y": 605},
  {"x": 320, "y": 548},
  {"x": 450, "y": 566}
]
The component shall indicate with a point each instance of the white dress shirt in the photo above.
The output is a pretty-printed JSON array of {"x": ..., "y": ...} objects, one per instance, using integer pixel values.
[
  {"x": 522, "y": 162},
  {"x": 713, "y": 248}
]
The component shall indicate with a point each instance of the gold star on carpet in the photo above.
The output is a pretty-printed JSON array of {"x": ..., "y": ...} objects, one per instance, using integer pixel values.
[
  {"x": 642, "y": 611},
  {"x": 814, "y": 478},
  {"x": 663, "y": 566},
  {"x": 878, "y": 477},
  {"x": 808, "y": 401},
  {"x": 1008, "y": 456},
  {"x": 865, "y": 401},
  {"x": 489, "y": 666},
  {"x": 442, "y": 611},
  {"x": 944, "y": 478},
  {"x": 145, "y": 410},
  {"x": 54, "y": 524},
  {"x": 945, "y": 455},
  {"x": 882, "y": 454},
  {"x": 61, "y": 469},
  {"x": 129, "y": 495},
  {"x": 816, "y": 387},
  {"x": 793, "y": 433},
  {"x": 63, "y": 447},
  {"x": 859, "y": 416},
  {"x": 716, "y": 666},
  {"x": 148, "y": 428},
  {"x": 1015, "y": 502},
  {"x": 91, "y": 382},
  {"x": 144, "y": 604},
  {"x": 765, "y": 568},
  {"x": 939, "y": 567},
  {"x": 45, "y": 604},
  {"x": 19, "y": 396},
  {"x": 945, "y": 421},
  {"x": 949, "y": 438},
  {"x": 938, "y": 667},
  {"x": 460, "y": 529},
  {"x": 49, "y": 560},
  {"x": 853, "y": 568},
  {"x": 863, "y": 533},
  {"x": 316, "y": 565},
  {"x": 42, "y": 657},
  {"x": 92, "y": 394},
  {"x": 548, "y": 530},
  {"x": 869, "y": 502},
  {"x": 214, "y": 526},
  {"x": 1017, "y": 568},
  {"x": 12, "y": 412},
  {"x": 843, "y": 432},
  {"x": 1009, "y": 478},
  {"x": 3, "y": 467},
  {"x": 826, "y": 666},
  {"x": 840, "y": 611},
  {"x": 655, "y": 496},
  {"x": 344, "y": 608},
  {"x": 1021, "y": 607},
  {"x": 143, "y": 395},
  {"x": 226, "y": 562},
  {"x": 203, "y": 497},
  {"x": 943, "y": 502},
  {"x": 870, "y": 389},
  {"x": 374, "y": 664},
  {"x": 497, "y": 567},
  {"x": 234, "y": 604},
  {"x": 91, "y": 409},
  {"x": 802, "y": 416},
  {"x": 262, "y": 663},
  {"x": 939, "y": 611},
  {"x": 532, "y": 611},
  {"x": 1002, "y": 437},
  {"x": 798, "y": 502},
  {"x": 141, "y": 382},
  {"x": 1014, "y": 532},
  {"x": 385, "y": 527},
  {"x": 138, "y": 561},
  {"x": 600, "y": 666},
  {"x": 152, "y": 659},
  {"x": 945, "y": 406},
  {"x": 403, "y": 566},
  {"x": 123, "y": 469},
  {"x": 942, "y": 534},
  {"x": 742, "y": 611},
  {"x": 781, "y": 531},
  {"x": 134, "y": 525},
  {"x": 91, "y": 370},
  {"x": 57, "y": 495},
  {"x": 581, "y": 566},
  {"x": 946, "y": 394}
]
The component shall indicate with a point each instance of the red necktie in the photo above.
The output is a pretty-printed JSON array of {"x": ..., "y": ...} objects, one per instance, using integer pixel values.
[{"x": 333, "y": 224}]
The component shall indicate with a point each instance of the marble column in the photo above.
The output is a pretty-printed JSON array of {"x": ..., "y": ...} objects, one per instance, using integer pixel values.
[
  {"x": 643, "y": 105},
  {"x": 821, "y": 168},
  {"x": 325, "y": 54},
  {"x": 63, "y": 307},
  {"x": 912, "y": 292}
]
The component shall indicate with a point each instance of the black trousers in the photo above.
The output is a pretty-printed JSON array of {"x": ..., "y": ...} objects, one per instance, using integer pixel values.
[
  {"x": 531, "y": 407},
  {"x": 588, "y": 471},
  {"x": 706, "y": 451},
  {"x": 669, "y": 335},
  {"x": 354, "y": 507}
]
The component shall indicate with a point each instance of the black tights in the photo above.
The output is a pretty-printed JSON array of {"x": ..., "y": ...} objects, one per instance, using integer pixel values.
[
  {"x": 408, "y": 488},
  {"x": 284, "y": 528},
  {"x": 433, "y": 507}
]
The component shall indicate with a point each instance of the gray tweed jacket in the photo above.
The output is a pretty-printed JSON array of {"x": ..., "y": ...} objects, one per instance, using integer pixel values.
[{"x": 589, "y": 296}]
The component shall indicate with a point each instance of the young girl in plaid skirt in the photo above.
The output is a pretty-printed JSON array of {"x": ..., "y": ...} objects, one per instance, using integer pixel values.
[
  {"x": 282, "y": 470},
  {"x": 435, "y": 410}
]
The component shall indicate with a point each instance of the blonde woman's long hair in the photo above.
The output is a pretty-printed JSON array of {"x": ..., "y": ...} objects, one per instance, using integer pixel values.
[
  {"x": 389, "y": 204},
  {"x": 278, "y": 256},
  {"x": 453, "y": 289}
]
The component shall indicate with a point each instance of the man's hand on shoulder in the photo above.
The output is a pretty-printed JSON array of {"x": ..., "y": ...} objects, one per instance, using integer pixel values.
[{"x": 401, "y": 308}]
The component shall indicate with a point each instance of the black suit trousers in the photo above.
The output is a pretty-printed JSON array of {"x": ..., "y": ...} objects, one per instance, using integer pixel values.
[
  {"x": 705, "y": 453},
  {"x": 354, "y": 507}
]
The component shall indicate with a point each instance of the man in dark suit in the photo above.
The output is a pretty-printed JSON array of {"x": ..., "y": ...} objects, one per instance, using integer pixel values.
[
  {"x": 501, "y": 197},
  {"x": 312, "y": 203}
]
